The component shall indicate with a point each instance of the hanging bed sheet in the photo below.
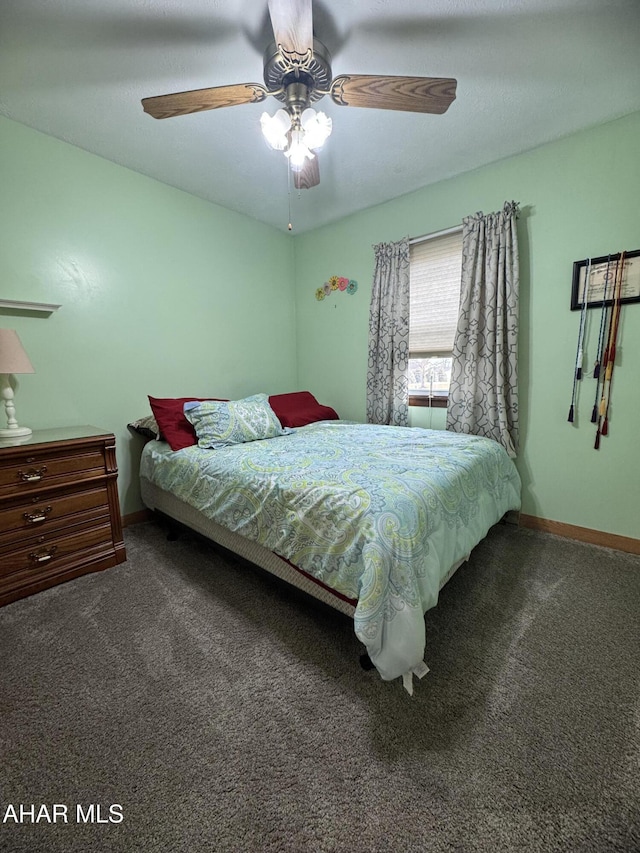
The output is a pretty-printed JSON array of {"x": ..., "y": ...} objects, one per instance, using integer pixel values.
[{"x": 378, "y": 513}]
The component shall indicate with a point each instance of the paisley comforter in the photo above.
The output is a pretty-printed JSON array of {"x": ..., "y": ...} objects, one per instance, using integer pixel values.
[{"x": 378, "y": 513}]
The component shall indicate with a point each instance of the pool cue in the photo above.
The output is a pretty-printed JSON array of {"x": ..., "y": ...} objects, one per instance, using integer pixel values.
[
  {"x": 601, "y": 335},
  {"x": 577, "y": 373},
  {"x": 602, "y": 407},
  {"x": 612, "y": 355}
]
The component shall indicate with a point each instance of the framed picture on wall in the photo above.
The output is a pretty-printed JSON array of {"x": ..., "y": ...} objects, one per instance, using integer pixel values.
[{"x": 599, "y": 289}]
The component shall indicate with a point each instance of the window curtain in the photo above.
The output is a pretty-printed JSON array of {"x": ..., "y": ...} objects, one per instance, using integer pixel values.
[
  {"x": 387, "y": 372},
  {"x": 483, "y": 396}
]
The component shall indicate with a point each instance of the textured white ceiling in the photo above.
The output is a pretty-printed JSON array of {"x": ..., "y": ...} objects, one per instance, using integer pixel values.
[{"x": 528, "y": 71}]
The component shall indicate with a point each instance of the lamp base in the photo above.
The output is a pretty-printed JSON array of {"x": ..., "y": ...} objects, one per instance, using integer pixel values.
[{"x": 18, "y": 432}]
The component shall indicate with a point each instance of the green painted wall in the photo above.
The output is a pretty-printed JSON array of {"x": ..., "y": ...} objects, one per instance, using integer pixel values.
[
  {"x": 579, "y": 197},
  {"x": 161, "y": 293}
]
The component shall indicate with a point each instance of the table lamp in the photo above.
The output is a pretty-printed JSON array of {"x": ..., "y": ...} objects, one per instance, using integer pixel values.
[{"x": 13, "y": 359}]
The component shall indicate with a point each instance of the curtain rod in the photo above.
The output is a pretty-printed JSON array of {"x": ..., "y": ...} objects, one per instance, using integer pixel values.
[{"x": 443, "y": 233}]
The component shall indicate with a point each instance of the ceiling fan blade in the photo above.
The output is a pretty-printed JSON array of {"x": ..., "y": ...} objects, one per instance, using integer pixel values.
[
  {"x": 292, "y": 23},
  {"x": 308, "y": 176},
  {"x": 182, "y": 103},
  {"x": 413, "y": 94}
]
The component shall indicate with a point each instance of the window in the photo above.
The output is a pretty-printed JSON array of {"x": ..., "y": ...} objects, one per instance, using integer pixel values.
[{"x": 435, "y": 265}]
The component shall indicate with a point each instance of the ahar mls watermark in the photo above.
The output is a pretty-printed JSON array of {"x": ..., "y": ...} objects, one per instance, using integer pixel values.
[{"x": 21, "y": 813}]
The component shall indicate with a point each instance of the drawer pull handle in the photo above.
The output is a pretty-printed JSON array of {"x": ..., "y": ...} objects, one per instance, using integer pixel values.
[
  {"x": 37, "y": 517},
  {"x": 33, "y": 476},
  {"x": 43, "y": 556}
]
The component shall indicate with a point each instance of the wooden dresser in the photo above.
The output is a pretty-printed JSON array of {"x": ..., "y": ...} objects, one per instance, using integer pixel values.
[{"x": 59, "y": 509}]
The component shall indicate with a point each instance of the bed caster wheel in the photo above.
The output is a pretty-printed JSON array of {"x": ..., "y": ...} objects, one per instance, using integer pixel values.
[{"x": 365, "y": 662}]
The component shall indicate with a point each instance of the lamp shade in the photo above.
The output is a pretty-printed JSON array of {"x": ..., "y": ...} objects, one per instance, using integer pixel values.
[{"x": 13, "y": 358}]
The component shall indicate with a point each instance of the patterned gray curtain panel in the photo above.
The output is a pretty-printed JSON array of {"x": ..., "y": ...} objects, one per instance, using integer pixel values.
[
  {"x": 387, "y": 373},
  {"x": 483, "y": 396}
]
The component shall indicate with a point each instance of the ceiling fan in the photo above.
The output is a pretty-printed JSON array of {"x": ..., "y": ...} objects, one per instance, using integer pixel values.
[{"x": 297, "y": 72}]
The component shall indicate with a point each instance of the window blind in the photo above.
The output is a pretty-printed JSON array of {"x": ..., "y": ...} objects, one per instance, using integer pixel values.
[{"x": 435, "y": 272}]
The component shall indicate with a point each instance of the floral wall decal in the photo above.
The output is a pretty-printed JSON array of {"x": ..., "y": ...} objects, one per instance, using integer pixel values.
[{"x": 336, "y": 283}]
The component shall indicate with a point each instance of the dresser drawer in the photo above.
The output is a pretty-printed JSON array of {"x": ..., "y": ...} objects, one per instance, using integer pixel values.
[
  {"x": 42, "y": 471},
  {"x": 52, "y": 552},
  {"x": 45, "y": 513}
]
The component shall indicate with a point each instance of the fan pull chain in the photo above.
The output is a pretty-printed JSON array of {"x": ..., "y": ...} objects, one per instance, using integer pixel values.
[{"x": 289, "y": 226}]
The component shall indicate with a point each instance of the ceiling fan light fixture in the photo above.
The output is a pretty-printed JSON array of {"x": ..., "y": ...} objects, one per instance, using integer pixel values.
[
  {"x": 316, "y": 126},
  {"x": 275, "y": 128},
  {"x": 297, "y": 72},
  {"x": 298, "y": 150}
]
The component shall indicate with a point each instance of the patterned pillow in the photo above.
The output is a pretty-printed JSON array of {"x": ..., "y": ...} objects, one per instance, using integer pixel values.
[
  {"x": 174, "y": 428},
  {"x": 146, "y": 427},
  {"x": 221, "y": 424}
]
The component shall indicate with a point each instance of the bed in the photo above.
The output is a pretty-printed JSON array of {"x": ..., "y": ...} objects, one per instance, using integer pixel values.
[{"x": 370, "y": 519}]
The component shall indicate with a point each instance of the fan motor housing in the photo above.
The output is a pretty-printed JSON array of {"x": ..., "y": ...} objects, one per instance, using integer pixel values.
[{"x": 313, "y": 71}]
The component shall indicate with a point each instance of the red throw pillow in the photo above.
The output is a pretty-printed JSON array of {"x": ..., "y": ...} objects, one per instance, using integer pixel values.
[
  {"x": 300, "y": 408},
  {"x": 175, "y": 429}
]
